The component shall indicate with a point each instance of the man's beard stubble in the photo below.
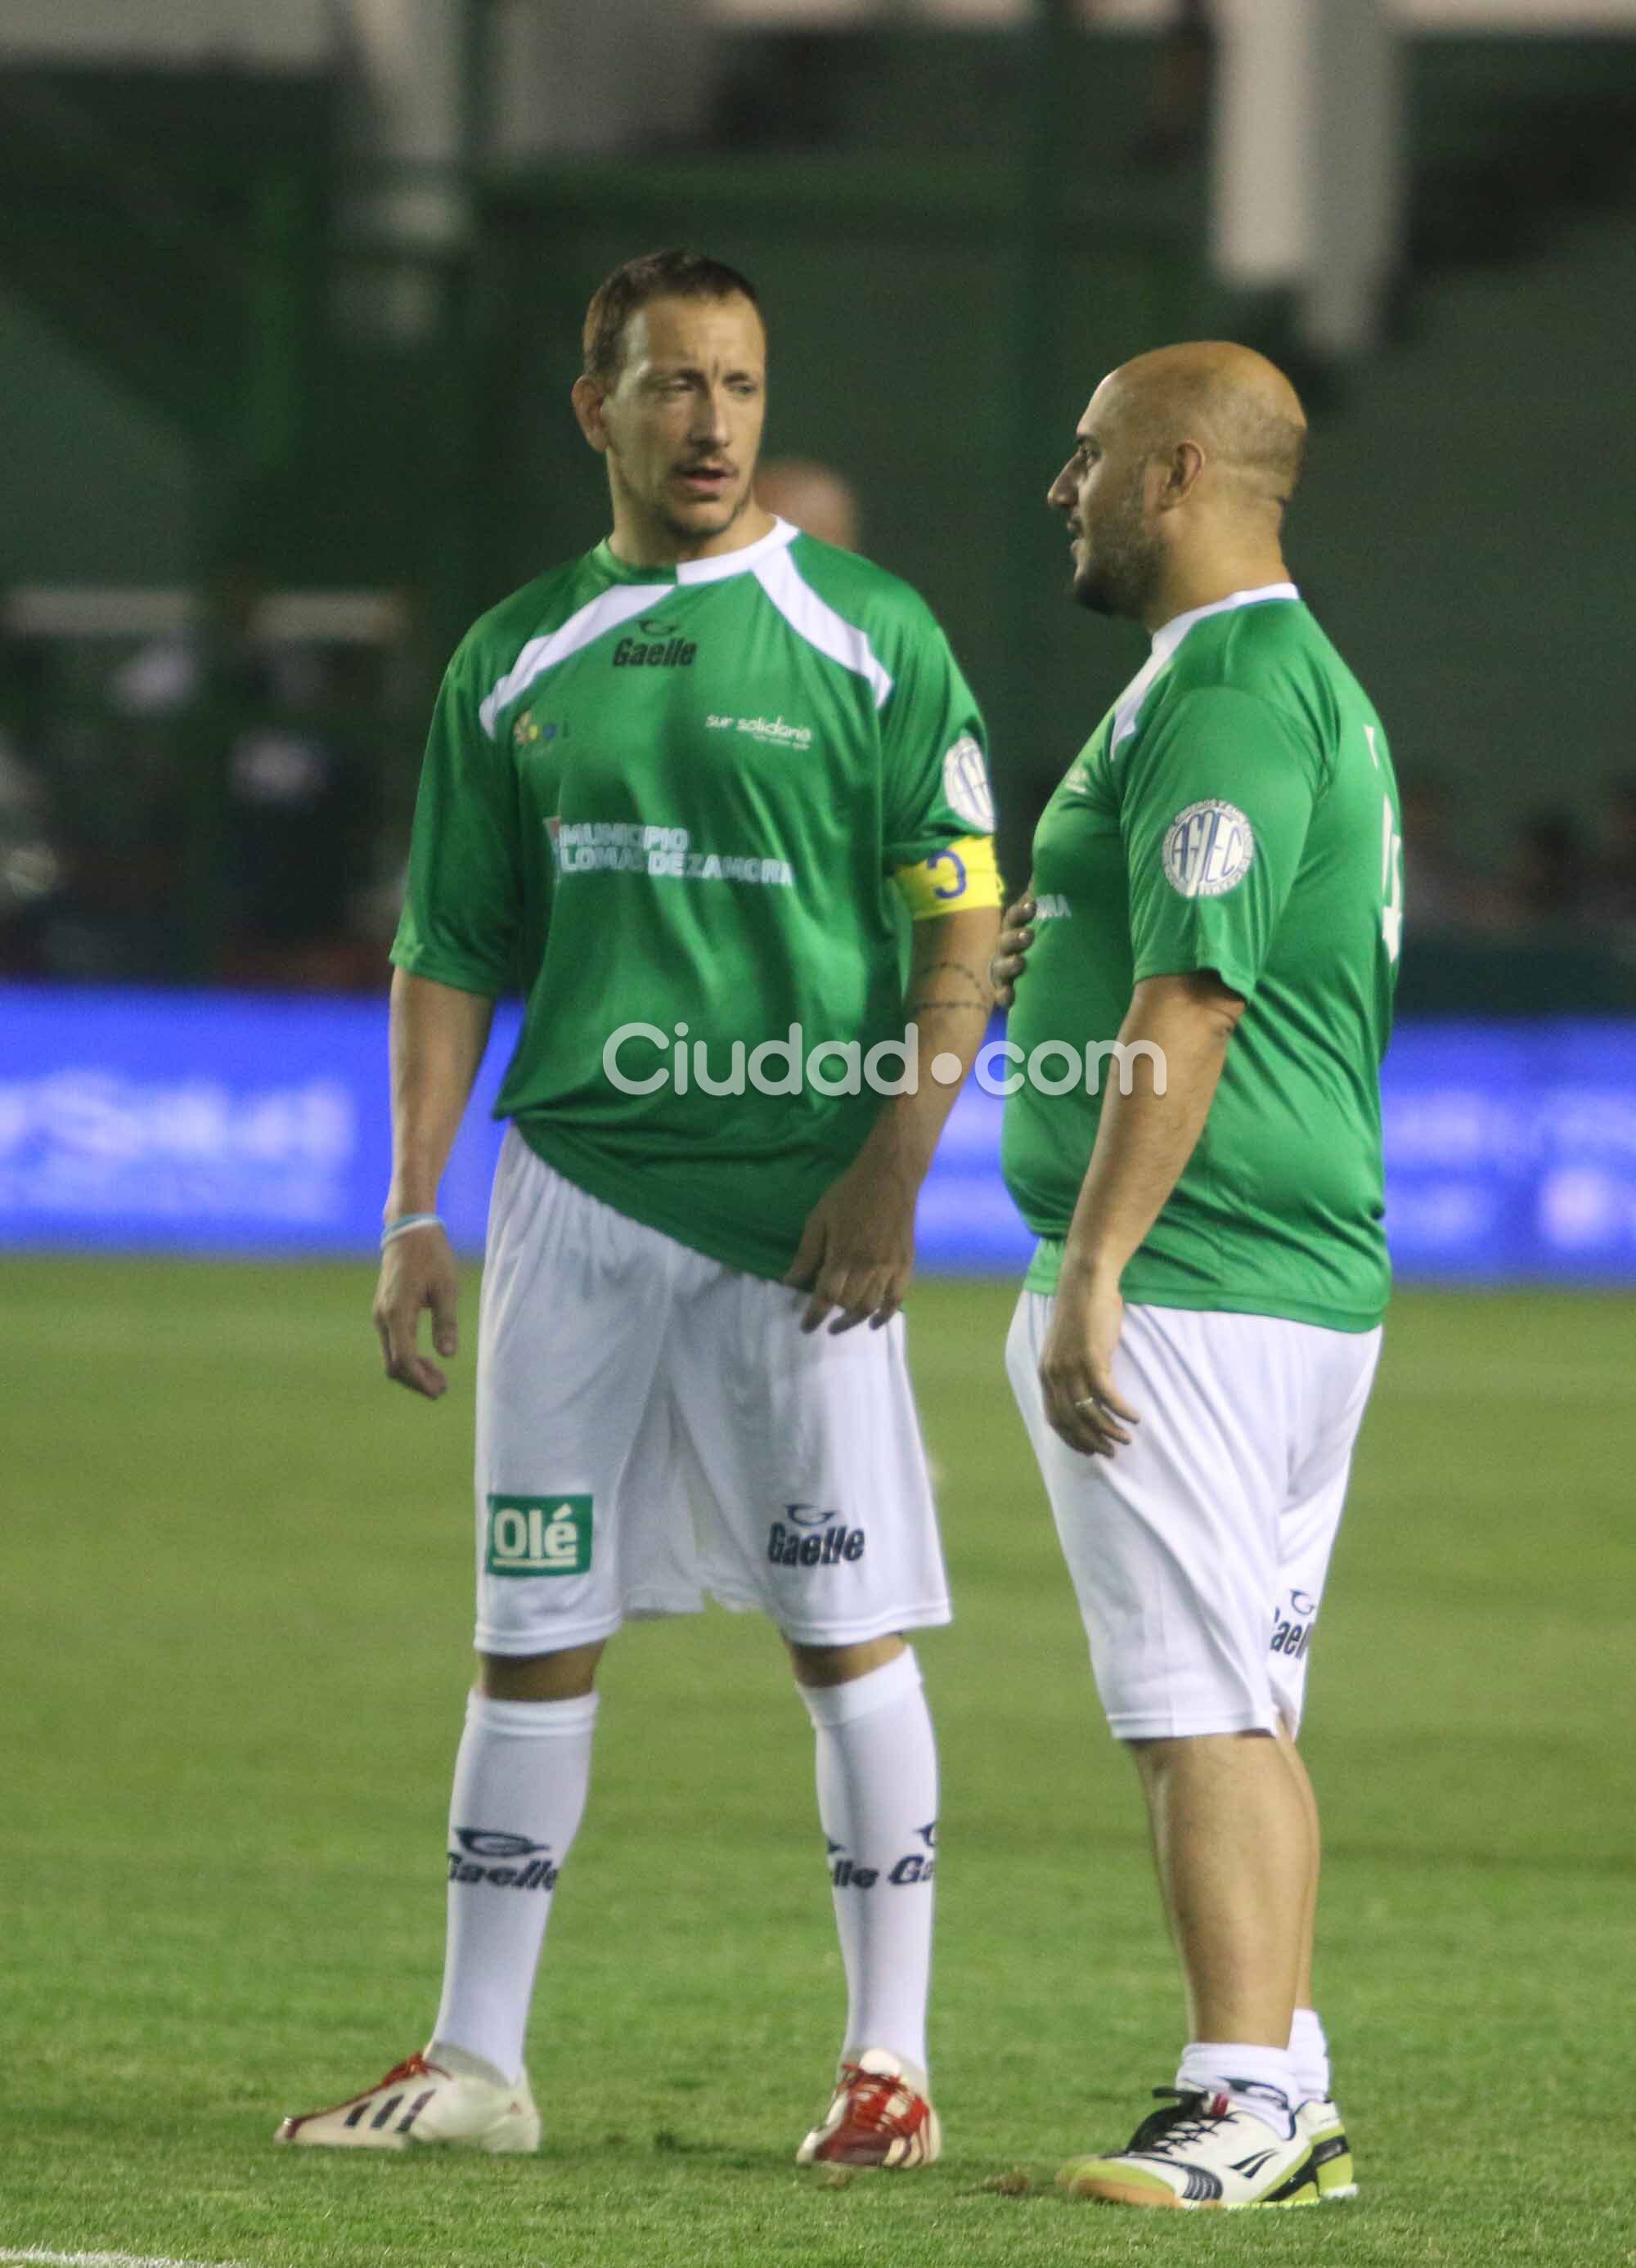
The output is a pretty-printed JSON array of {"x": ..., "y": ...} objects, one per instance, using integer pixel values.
[
  {"x": 687, "y": 531},
  {"x": 1119, "y": 576}
]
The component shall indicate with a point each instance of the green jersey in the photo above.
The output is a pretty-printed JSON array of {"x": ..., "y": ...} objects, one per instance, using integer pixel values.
[
  {"x": 667, "y": 804},
  {"x": 1235, "y": 811}
]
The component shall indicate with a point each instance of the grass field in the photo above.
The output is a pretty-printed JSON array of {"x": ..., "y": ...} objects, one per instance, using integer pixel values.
[{"x": 236, "y": 1575}]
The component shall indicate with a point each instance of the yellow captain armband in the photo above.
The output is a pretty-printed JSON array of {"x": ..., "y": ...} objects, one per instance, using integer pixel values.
[{"x": 960, "y": 878}]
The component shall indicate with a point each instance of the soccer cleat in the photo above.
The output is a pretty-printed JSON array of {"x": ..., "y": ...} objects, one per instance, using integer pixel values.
[
  {"x": 1203, "y": 2150},
  {"x": 877, "y": 2118},
  {"x": 1331, "y": 2153},
  {"x": 417, "y": 2102}
]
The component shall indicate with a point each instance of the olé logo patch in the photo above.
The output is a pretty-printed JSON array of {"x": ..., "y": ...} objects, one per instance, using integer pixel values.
[
  {"x": 1209, "y": 849},
  {"x": 538, "y": 1535}
]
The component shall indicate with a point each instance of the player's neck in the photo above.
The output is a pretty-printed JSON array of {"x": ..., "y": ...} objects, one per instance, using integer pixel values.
[
  {"x": 642, "y": 540},
  {"x": 1188, "y": 585}
]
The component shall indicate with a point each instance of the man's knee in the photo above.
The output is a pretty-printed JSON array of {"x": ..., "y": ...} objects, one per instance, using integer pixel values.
[
  {"x": 564, "y": 1677},
  {"x": 839, "y": 1665},
  {"x": 1157, "y": 1756}
]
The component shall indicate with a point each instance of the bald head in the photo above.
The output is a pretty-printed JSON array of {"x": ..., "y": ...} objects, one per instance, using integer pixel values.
[
  {"x": 820, "y": 501},
  {"x": 1182, "y": 468},
  {"x": 1237, "y": 408}
]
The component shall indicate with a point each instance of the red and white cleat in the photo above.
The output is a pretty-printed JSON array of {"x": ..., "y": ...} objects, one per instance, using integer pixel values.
[
  {"x": 878, "y": 2117},
  {"x": 417, "y": 2102}
]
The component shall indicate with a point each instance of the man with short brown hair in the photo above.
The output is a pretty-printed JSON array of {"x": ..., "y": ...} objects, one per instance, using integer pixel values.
[{"x": 678, "y": 790}]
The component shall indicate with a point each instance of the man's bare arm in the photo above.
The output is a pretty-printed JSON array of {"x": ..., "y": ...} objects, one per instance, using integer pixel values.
[
  {"x": 438, "y": 1034},
  {"x": 1143, "y": 1141},
  {"x": 857, "y": 1250}
]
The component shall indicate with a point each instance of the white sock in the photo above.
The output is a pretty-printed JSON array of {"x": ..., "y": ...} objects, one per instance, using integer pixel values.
[
  {"x": 520, "y": 1789},
  {"x": 876, "y": 1803},
  {"x": 1260, "y": 2080},
  {"x": 1310, "y": 2053}
]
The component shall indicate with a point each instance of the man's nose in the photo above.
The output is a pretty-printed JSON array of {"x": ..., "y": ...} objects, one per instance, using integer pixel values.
[{"x": 709, "y": 416}]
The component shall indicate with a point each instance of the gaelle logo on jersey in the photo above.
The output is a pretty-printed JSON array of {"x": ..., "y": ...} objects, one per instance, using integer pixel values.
[
  {"x": 539, "y": 1873},
  {"x": 657, "y": 647},
  {"x": 788, "y": 1547}
]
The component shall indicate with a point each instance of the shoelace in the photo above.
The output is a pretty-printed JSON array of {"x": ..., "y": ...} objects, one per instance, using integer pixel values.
[
  {"x": 874, "y": 2100},
  {"x": 414, "y": 2066},
  {"x": 1177, "y": 2127}
]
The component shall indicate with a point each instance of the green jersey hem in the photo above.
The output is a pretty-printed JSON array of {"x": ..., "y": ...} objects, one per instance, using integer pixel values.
[
  {"x": 1141, "y": 1289},
  {"x": 438, "y": 968},
  {"x": 640, "y": 1196},
  {"x": 1237, "y": 976}
]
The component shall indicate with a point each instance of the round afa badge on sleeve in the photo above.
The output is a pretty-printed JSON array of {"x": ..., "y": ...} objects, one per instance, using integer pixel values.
[
  {"x": 1209, "y": 849},
  {"x": 966, "y": 785}
]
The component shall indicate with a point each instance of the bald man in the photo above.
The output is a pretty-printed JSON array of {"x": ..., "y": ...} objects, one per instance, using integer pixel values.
[
  {"x": 1211, "y": 936},
  {"x": 811, "y": 497}
]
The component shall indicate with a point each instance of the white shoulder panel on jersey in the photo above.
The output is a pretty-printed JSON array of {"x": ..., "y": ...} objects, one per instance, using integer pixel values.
[
  {"x": 717, "y": 568},
  {"x": 605, "y": 611},
  {"x": 812, "y": 618},
  {"x": 1167, "y": 638},
  {"x": 1129, "y": 707}
]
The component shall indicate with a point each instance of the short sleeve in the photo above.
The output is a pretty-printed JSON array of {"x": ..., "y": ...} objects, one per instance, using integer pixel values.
[
  {"x": 462, "y": 906},
  {"x": 933, "y": 750},
  {"x": 1214, "y": 813}
]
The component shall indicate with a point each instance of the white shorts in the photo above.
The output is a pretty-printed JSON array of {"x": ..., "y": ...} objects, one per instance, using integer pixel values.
[
  {"x": 652, "y": 1426},
  {"x": 1198, "y": 1552}
]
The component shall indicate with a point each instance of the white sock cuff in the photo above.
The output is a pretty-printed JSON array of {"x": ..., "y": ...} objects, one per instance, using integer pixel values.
[
  {"x": 1310, "y": 2053},
  {"x": 1229, "y": 2064},
  {"x": 830, "y": 1705},
  {"x": 539, "y": 1720}
]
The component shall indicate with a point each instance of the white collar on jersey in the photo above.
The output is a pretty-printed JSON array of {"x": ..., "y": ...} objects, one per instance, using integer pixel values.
[
  {"x": 1169, "y": 635},
  {"x": 742, "y": 562},
  {"x": 1166, "y": 637}
]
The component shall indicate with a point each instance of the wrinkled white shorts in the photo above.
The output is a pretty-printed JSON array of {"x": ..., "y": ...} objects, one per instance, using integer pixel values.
[
  {"x": 1199, "y": 1552},
  {"x": 652, "y": 1426}
]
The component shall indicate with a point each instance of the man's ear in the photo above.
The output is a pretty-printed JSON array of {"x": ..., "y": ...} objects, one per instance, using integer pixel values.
[
  {"x": 587, "y": 398},
  {"x": 1186, "y": 461}
]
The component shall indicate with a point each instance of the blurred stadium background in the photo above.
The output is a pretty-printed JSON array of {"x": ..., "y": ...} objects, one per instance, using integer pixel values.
[
  {"x": 289, "y": 309},
  {"x": 290, "y": 296}
]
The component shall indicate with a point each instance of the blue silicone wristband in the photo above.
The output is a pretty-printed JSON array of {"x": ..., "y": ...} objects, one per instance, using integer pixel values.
[{"x": 409, "y": 1220}]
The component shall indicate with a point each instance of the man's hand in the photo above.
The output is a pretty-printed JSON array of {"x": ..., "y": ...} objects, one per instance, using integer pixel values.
[
  {"x": 1010, "y": 948},
  {"x": 417, "y": 1272},
  {"x": 856, "y": 1251},
  {"x": 1076, "y": 1365}
]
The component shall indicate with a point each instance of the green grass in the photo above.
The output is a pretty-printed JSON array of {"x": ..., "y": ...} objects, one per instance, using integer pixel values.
[{"x": 236, "y": 1567}]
